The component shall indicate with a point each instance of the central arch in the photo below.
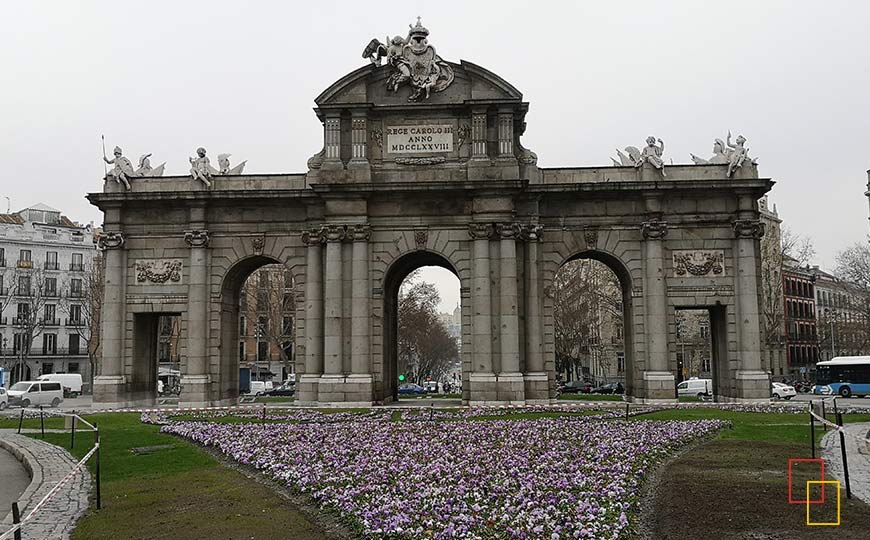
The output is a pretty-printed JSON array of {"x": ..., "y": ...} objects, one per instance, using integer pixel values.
[{"x": 395, "y": 275}]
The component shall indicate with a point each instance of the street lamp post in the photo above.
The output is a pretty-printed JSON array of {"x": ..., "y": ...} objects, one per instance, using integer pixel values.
[{"x": 830, "y": 313}]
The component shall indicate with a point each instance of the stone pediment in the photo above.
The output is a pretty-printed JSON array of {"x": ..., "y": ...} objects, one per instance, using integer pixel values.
[{"x": 368, "y": 86}]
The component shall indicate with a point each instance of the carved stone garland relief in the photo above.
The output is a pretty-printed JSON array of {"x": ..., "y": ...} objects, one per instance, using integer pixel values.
[
  {"x": 699, "y": 263},
  {"x": 158, "y": 271}
]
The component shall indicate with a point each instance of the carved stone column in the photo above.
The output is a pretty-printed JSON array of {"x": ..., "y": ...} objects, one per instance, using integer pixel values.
[
  {"x": 506, "y": 134},
  {"x": 196, "y": 378},
  {"x": 361, "y": 302},
  {"x": 109, "y": 383},
  {"x": 510, "y": 380},
  {"x": 658, "y": 380},
  {"x": 332, "y": 303},
  {"x": 308, "y": 381},
  {"x": 332, "y": 142},
  {"x": 482, "y": 380},
  {"x": 536, "y": 379},
  {"x": 752, "y": 383},
  {"x": 478, "y": 136},
  {"x": 358, "y": 139}
]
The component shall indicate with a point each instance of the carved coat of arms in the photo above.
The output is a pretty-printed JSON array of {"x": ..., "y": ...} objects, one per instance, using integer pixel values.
[{"x": 414, "y": 62}]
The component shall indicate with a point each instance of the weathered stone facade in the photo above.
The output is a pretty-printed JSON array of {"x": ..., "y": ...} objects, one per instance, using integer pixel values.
[{"x": 369, "y": 211}]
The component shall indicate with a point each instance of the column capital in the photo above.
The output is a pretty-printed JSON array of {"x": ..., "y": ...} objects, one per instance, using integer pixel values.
[
  {"x": 313, "y": 236},
  {"x": 479, "y": 231},
  {"x": 359, "y": 233},
  {"x": 197, "y": 238},
  {"x": 508, "y": 231},
  {"x": 112, "y": 240},
  {"x": 748, "y": 228},
  {"x": 533, "y": 233},
  {"x": 334, "y": 233},
  {"x": 654, "y": 229}
]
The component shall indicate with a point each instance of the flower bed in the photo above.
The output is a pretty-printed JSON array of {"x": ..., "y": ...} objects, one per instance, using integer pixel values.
[{"x": 552, "y": 478}]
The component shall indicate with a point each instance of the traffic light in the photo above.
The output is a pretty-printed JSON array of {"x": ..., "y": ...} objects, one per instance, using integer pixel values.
[{"x": 401, "y": 378}]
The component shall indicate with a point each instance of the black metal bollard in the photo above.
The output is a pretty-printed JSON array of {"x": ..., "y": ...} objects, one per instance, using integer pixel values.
[
  {"x": 626, "y": 410},
  {"x": 72, "y": 433},
  {"x": 16, "y": 519},
  {"x": 843, "y": 453},
  {"x": 42, "y": 421},
  {"x": 812, "y": 431},
  {"x": 824, "y": 425},
  {"x": 20, "y": 420},
  {"x": 97, "y": 443}
]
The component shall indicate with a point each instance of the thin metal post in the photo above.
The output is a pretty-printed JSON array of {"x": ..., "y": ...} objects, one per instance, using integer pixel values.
[
  {"x": 42, "y": 421},
  {"x": 264, "y": 413},
  {"x": 97, "y": 443},
  {"x": 824, "y": 425},
  {"x": 72, "y": 437},
  {"x": 20, "y": 420},
  {"x": 626, "y": 410},
  {"x": 16, "y": 519},
  {"x": 843, "y": 453},
  {"x": 812, "y": 431}
]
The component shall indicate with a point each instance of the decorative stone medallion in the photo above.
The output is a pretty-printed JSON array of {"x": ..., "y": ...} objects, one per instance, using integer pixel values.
[
  {"x": 158, "y": 271},
  {"x": 111, "y": 240},
  {"x": 701, "y": 262},
  {"x": 421, "y": 237},
  {"x": 258, "y": 243}
]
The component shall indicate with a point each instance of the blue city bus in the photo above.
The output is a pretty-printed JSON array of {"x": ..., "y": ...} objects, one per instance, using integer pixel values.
[{"x": 844, "y": 375}]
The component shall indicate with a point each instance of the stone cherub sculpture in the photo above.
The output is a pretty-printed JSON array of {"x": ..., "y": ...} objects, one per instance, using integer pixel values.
[
  {"x": 201, "y": 168},
  {"x": 651, "y": 153},
  {"x": 734, "y": 155},
  {"x": 145, "y": 168},
  {"x": 123, "y": 169},
  {"x": 224, "y": 165}
]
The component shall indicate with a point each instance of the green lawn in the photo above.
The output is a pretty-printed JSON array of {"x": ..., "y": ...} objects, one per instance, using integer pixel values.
[{"x": 590, "y": 397}]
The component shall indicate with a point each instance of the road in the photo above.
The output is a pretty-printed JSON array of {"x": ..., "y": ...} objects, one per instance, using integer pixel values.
[{"x": 851, "y": 402}]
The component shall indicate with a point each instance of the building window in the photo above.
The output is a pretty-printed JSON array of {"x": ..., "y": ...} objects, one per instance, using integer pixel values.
[
  {"x": 241, "y": 351},
  {"x": 72, "y": 367},
  {"x": 20, "y": 342},
  {"x": 47, "y": 367},
  {"x": 75, "y": 314},
  {"x": 23, "y": 288},
  {"x": 74, "y": 343},
  {"x": 51, "y": 260},
  {"x": 2, "y": 290},
  {"x": 49, "y": 344},
  {"x": 50, "y": 286},
  {"x": 705, "y": 330},
  {"x": 706, "y": 364},
  {"x": 620, "y": 362},
  {"x": 24, "y": 260},
  {"x": 77, "y": 265},
  {"x": 243, "y": 325},
  {"x": 75, "y": 287},
  {"x": 287, "y": 326},
  {"x": 23, "y": 314},
  {"x": 2, "y": 257},
  {"x": 48, "y": 314},
  {"x": 262, "y": 351}
]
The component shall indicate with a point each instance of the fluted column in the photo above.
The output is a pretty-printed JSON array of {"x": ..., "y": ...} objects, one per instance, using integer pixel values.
[
  {"x": 481, "y": 320},
  {"x": 753, "y": 384},
  {"x": 332, "y": 303},
  {"x": 361, "y": 305},
  {"x": 659, "y": 381},
  {"x": 536, "y": 378},
  {"x": 196, "y": 378},
  {"x": 109, "y": 383},
  {"x": 509, "y": 320},
  {"x": 314, "y": 302}
]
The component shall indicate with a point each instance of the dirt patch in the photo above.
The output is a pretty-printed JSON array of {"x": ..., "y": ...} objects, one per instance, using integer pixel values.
[{"x": 738, "y": 490}]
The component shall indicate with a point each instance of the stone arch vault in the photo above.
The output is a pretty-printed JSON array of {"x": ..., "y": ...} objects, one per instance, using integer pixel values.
[{"x": 446, "y": 175}]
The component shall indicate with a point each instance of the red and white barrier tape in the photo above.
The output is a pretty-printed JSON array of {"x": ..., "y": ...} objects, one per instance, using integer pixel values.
[{"x": 50, "y": 494}]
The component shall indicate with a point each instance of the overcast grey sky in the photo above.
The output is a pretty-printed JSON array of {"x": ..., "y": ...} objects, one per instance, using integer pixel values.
[{"x": 240, "y": 77}]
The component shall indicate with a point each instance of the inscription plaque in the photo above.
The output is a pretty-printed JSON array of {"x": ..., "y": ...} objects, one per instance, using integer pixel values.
[{"x": 419, "y": 139}]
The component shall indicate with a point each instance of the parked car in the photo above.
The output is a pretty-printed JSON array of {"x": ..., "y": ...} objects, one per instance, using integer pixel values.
[
  {"x": 431, "y": 387},
  {"x": 71, "y": 382},
  {"x": 286, "y": 389},
  {"x": 4, "y": 398},
  {"x": 411, "y": 388},
  {"x": 695, "y": 387},
  {"x": 782, "y": 391},
  {"x": 610, "y": 388},
  {"x": 36, "y": 393},
  {"x": 577, "y": 387}
]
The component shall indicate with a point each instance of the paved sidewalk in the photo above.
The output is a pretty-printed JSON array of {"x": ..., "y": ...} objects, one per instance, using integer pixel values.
[
  {"x": 858, "y": 456},
  {"x": 48, "y": 465}
]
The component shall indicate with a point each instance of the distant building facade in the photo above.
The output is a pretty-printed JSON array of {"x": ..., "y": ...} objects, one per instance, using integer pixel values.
[
  {"x": 773, "y": 325},
  {"x": 842, "y": 317},
  {"x": 266, "y": 324},
  {"x": 802, "y": 337},
  {"x": 44, "y": 258}
]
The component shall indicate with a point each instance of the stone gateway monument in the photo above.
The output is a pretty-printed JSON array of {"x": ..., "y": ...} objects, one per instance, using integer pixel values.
[{"x": 422, "y": 163}]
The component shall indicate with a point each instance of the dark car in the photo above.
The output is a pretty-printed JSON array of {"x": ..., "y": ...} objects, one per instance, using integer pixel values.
[
  {"x": 287, "y": 389},
  {"x": 411, "y": 388},
  {"x": 577, "y": 387},
  {"x": 610, "y": 388}
]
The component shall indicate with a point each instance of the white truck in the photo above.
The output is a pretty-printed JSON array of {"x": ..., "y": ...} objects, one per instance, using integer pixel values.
[
  {"x": 71, "y": 382},
  {"x": 695, "y": 387}
]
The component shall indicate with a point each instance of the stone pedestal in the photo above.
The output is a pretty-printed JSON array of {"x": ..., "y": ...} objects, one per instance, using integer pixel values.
[
  {"x": 195, "y": 391},
  {"x": 753, "y": 386},
  {"x": 537, "y": 387},
  {"x": 659, "y": 387},
  {"x": 483, "y": 389},
  {"x": 306, "y": 389},
  {"x": 345, "y": 391},
  {"x": 110, "y": 392},
  {"x": 510, "y": 389}
]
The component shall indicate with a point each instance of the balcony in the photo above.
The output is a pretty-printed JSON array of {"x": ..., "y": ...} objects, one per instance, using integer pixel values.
[
  {"x": 73, "y": 322},
  {"x": 51, "y": 322},
  {"x": 25, "y": 264},
  {"x": 20, "y": 321},
  {"x": 51, "y": 293},
  {"x": 76, "y": 294},
  {"x": 76, "y": 267},
  {"x": 51, "y": 265},
  {"x": 3, "y": 321}
]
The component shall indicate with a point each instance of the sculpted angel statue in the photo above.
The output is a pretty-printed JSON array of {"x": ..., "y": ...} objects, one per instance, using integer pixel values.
[
  {"x": 224, "y": 165},
  {"x": 720, "y": 154},
  {"x": 738, "y": 154},
  {"x": 724, "y": 152},
  {"x": 123, "y": 168},
  {"x": 651, "y": 153},
  {"x": 200, "y": 168},
  {"x": 145, "y": 168}
]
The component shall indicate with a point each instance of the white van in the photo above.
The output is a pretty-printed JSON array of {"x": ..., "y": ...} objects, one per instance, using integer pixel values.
[
  {"x": 695, "y": 387},
  {"x": 258, "y": 388},
  {"x": 72, "y": 382},
  {"x": 36, "y": 393}
]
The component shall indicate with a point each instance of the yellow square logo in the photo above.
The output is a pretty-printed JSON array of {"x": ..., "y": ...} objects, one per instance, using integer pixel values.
[{"x": 822, "y": 482}]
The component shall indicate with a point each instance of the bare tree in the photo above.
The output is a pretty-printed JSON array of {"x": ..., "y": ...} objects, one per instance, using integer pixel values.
[
  {"x": 29, "y": 291},
  {"x": 796, "y": 249},
  {"x": 268, "y": 295},
  {"x": 425, "y": 348},
  {"x": 852, "y": 323},
  {"x": 82, "y": 307}
]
